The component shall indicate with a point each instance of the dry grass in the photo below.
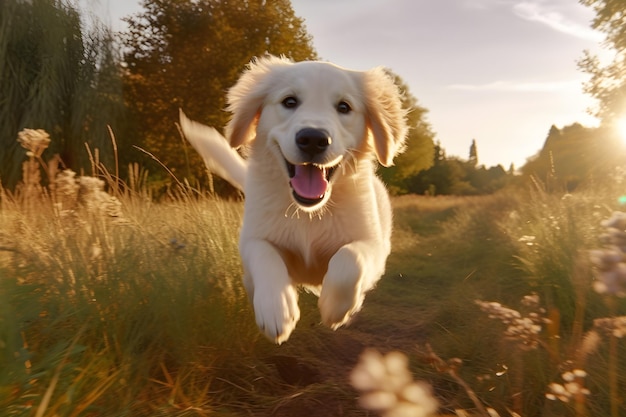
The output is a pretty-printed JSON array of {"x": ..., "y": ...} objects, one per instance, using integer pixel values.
[
  {"x": 106, "y": 307},
  {"x": 113, "y": 304}
]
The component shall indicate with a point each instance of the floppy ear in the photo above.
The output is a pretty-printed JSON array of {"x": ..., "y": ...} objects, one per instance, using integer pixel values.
[
  {"x": 385, "y": 115},
  {"x": 245, "y": 99}
]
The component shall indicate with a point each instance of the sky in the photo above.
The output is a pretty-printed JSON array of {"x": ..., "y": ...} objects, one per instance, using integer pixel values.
[{"x": 501, "y": 72}]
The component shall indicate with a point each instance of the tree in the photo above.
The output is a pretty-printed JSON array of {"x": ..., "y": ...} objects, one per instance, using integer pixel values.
[
  {"x": 187, "y": 53},
  {"x": 58, "y": 76},
  {"x": 458, "y": 177},
  {"x": 572, "y": 155},
  {"x": 420, "y": 146},
  {"x": 473, "y": 153},
  {"x": 446, "y": 176},
  {"x": 608, "y": 82}
]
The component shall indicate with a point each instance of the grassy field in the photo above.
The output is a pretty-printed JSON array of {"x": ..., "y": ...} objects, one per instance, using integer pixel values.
[{"x": 113, "y": 305}]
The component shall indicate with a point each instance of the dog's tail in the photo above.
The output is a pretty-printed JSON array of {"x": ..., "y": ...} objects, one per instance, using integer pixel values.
[{"x": 217, "y": 153}]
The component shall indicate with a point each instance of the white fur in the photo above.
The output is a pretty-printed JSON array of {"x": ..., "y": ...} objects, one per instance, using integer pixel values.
[{"x": 338, "y": 246}]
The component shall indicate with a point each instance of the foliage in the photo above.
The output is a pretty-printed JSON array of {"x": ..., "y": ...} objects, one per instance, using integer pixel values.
[
  {"x": 608, "y": 82},
  {"x": 452, "y": 176},
  {"x": 186, "y": 54},
  {"x": 418, "y": 155},
  {"x": 55, "y": 74},
  {"x": 573, "y": 155}
]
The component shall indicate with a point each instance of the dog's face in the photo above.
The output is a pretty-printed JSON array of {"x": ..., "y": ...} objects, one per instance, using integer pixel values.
[{"x": 314, "y": 117}]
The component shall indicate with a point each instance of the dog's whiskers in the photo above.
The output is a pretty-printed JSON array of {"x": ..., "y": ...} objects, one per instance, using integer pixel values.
[
  {"x": 318, "y": 213},
  {"x": 295, "y": 213},
  {"x": 350, "y": 161}
]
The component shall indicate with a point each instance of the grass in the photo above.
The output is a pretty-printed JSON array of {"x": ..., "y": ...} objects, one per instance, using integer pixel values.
[
  {"x": 112, "y": 296},
  {"x": 130, "y": 307}
]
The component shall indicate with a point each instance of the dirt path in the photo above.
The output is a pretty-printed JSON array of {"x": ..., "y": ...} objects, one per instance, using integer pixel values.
[{"x": 447, "y": 253}]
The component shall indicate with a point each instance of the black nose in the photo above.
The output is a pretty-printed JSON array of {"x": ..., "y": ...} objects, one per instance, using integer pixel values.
[{"x": 313, "y": 141}]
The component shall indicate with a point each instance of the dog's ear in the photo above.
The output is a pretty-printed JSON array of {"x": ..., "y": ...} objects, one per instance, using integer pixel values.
[
  {"x": 245, "y": 99},
  {"x": 385, "y": 115}
]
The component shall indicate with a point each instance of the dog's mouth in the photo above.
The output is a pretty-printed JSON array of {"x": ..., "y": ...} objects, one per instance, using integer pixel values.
[{"x": 309, "y": 182}]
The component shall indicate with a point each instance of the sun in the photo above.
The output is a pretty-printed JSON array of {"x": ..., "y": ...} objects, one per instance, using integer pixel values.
[{"x": 620, "y": 126}]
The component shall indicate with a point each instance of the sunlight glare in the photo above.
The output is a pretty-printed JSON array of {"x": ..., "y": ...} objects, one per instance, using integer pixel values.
[{"x": 620, "y": 126}]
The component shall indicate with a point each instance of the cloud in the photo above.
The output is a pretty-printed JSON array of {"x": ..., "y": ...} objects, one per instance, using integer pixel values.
[
  {"x": 521, "y": 87},
  {"x": 540, "y": 13}
]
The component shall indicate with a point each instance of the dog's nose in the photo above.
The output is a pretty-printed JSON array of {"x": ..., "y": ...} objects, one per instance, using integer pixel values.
[{"x": 313, "y": 141}]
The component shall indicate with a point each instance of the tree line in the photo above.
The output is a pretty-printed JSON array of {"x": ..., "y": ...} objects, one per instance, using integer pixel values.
[{"x": 63, "y": 71}]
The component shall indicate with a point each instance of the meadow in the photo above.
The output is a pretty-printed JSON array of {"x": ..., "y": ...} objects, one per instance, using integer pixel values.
[{"x": 115, "y": 304}]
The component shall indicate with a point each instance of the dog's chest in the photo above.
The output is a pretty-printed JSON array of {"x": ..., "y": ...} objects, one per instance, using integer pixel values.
[{"x": 307, "y": 245}]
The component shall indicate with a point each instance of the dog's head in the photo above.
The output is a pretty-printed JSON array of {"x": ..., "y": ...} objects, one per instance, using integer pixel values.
[{"x": 314, "y": 116}]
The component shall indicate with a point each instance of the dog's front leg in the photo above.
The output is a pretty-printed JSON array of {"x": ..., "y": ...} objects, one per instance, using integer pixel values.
[
  {"x": 273, "y": 295},
  {"x": 352, "y": 271}
]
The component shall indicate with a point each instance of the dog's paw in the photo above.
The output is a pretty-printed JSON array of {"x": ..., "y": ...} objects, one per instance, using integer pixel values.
[
  {"x": 338, "y": 304},
  {"x": 277, "y": 313},
  {"x": 341, "y": 295}
]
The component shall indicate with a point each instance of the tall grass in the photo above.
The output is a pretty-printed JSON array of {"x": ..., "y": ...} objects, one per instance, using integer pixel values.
[
  {"x": 114, "y": 304},
  {"x": 555, "y": 235},
  {"x": 101, "y": 307},
  {"x": 544, "y": 343}
]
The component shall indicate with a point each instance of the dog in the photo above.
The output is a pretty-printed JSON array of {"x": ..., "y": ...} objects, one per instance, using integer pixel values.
[{"x": 315, "y": 213}]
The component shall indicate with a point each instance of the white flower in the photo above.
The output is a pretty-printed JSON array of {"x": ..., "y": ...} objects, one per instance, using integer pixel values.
[
  {"x": 573, "y": 386},
  {"x": 617, "y": 220},
  {"x": 610, "y": 261},
  {"x": 387, "y": 387},
  {"x": 34, "y": 140},
  {"x": 615, "y": 326},
  {"x": 96, "y": 200},
  {"x": 523, "y": 329}
]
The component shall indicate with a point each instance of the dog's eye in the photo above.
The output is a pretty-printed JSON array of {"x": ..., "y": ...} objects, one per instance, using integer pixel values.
[
  {"x": 343, "y": 107},
  {"x": 290, "y": 102}
]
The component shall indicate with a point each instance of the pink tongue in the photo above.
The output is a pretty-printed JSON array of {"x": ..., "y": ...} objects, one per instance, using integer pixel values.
[{"x": 309, "y": 181}]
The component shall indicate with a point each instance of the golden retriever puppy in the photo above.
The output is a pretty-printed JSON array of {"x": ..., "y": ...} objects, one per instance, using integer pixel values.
[{"x": 315, "y": 214}]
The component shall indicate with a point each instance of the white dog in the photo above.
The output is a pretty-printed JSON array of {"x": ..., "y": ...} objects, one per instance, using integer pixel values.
[{"x": 315, "y": 214}]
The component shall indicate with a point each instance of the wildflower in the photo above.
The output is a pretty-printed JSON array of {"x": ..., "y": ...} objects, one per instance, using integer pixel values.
[
  {"x": 90, "y": 185},
  {"x": 615, "y": 326},
  {"x": 65, "y": 183},
  {"x": 96, "y": 200},
  {"x": 35, "y": 141},
  {"x": 612, "y": 281},
  {"x": 531, "y": 301},
  {"x": 388, "y": 388},
  {"x": 610, "y": 261},
  {"x": 614, "y": 237},
  {"x": 521, "y": 328},
  {"x": 617, "y": 221},
  {"x": 572, "y": 386}
]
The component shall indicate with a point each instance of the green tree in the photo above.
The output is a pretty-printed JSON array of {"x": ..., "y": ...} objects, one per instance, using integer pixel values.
[
  {"x": 608, "y": 82},
  {"x": 420, "y": 148},
  {"x": 446, "y": 176},
  {"x": 187, "y": 53},
  {"x": 455, "y": 176},
  {"x": 57, "y": 75}
]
